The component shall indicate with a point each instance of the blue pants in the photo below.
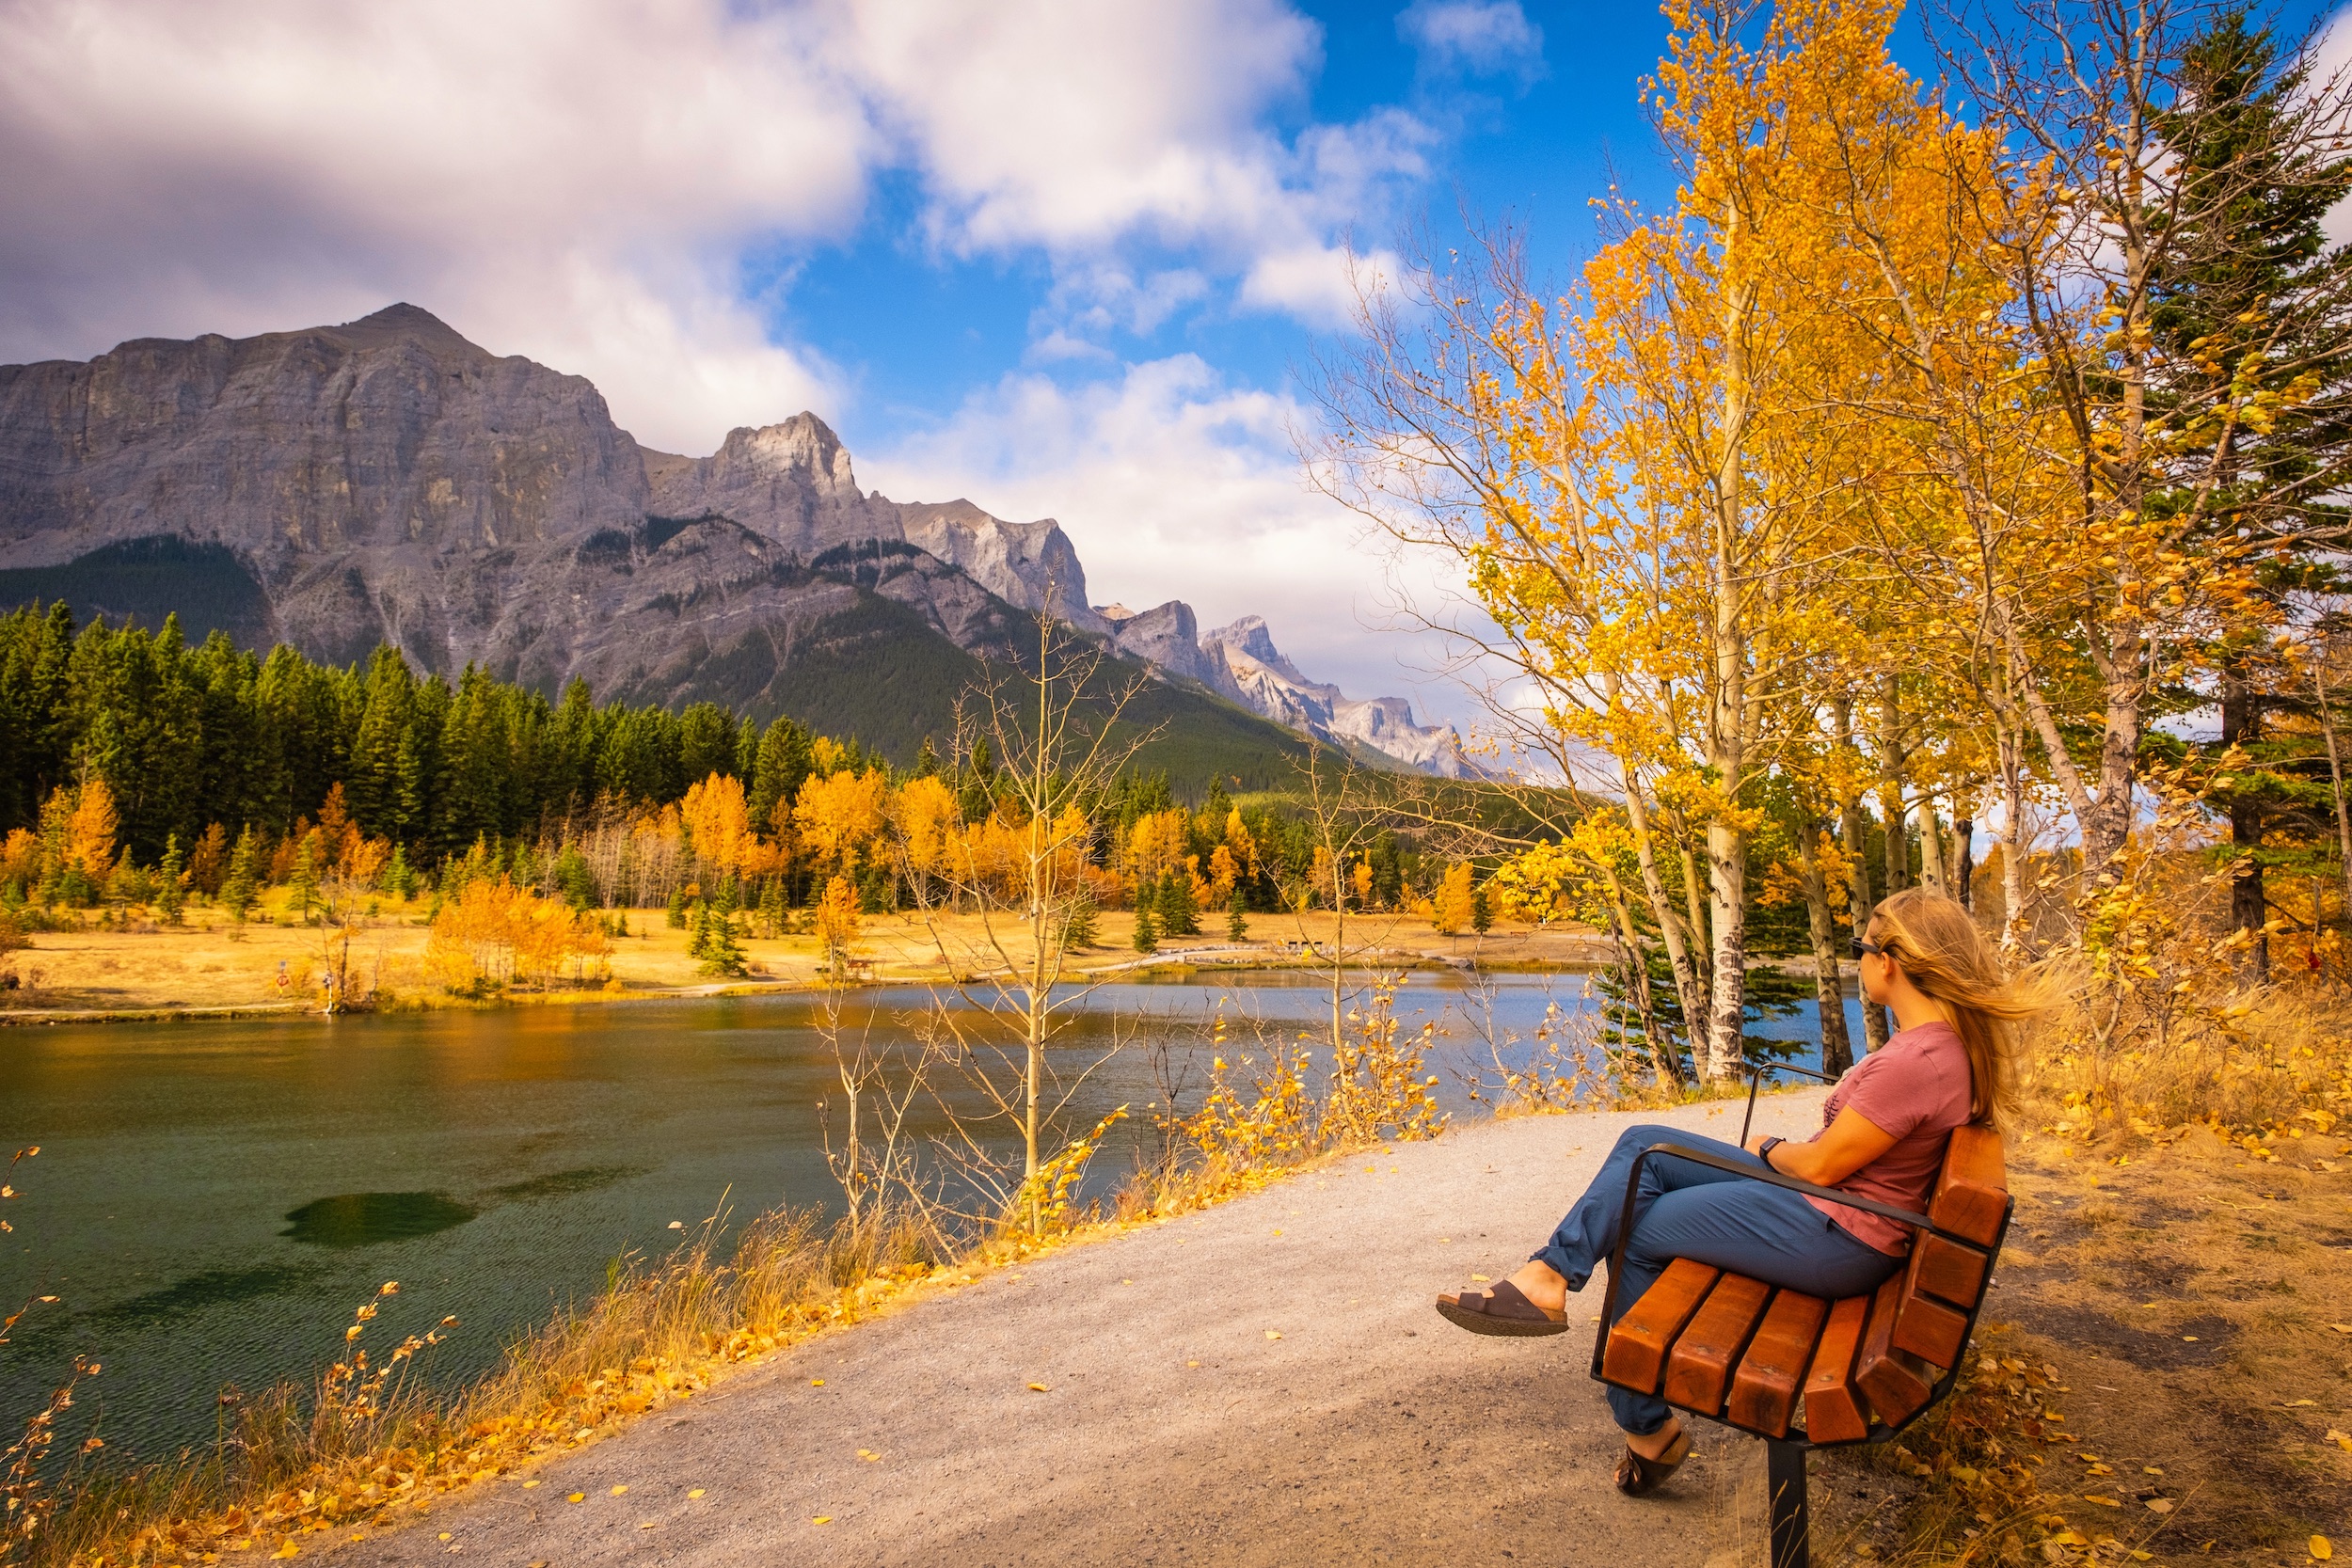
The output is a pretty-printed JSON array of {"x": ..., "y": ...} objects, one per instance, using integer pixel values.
[{"x": 1687, "y": 1210}]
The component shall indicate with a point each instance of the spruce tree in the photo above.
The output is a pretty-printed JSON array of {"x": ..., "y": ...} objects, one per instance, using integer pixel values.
[
  {"x": 721, "y": 952},
  {"x": 700, "y": 946},
  {"x": 304, "y": 884},
  {"x": 399, "y": 876},
  {"x": 1482, "y": 915},
  {"x": 236, "y": 893},
  {"x": 678, "y": 910},
  {"x": 1078, "y": 922},
  {"x": 1237, "y": 919},
  {"x": 1147, "y": 940},
  {"x": 1179, "y": 912},
  {"x": 170, "y": 896}
]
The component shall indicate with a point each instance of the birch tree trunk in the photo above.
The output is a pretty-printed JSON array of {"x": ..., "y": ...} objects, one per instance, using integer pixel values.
[{"x": 1828, "y": 989}]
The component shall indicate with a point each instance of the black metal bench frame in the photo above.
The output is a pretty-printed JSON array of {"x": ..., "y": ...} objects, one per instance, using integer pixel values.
[{"x": 1785, "y": 1477}]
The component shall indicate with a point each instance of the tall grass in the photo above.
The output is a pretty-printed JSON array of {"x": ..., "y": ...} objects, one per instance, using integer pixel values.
[{"x": 371, "y": 1443}]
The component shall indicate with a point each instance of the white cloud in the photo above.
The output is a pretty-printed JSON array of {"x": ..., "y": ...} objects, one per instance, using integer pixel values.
[
  {"x": 1175, "y": 484},
  {"x": 567, "y": 180},
  {"x": 579, "y": 182},
  {"x": 1487, "y": 36}
]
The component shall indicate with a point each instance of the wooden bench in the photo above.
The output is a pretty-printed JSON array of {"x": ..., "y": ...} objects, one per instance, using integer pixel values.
[{"x": 1799, "y": 1371}]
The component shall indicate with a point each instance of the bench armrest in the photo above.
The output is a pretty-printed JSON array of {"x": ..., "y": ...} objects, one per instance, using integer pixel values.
[{"x": 1756, "y": 1071}]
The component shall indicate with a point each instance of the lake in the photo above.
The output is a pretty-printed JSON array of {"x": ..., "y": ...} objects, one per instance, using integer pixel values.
[{"x": 211, "y": 1200}]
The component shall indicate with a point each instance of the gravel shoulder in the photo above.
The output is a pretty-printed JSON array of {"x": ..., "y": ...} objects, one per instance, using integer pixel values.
[{"x": 1264, "y": 1382}]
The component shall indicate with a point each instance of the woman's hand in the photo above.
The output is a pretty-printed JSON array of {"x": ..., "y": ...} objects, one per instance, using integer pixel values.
[{"x": 1841, "y": 1148}]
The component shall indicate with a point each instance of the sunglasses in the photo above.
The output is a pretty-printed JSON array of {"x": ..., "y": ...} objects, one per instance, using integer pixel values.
[{"x": 1861, "y": 947}]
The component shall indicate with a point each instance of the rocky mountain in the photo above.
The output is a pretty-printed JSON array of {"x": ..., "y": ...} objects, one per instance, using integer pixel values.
[
  {"x": 1258, "y": 677},
  {"x": 387, "y": 481}
]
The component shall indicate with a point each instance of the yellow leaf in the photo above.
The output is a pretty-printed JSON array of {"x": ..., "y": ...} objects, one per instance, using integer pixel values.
[
  {"x": 2322, "y": 1547},
  {"x": 1480, "y": 1279},
  {"x": 695, "y": 1492},
  {"x": 445, "y": 1535},
  {"x": 2103, "y": 1502},
  {"x": 2159, "y": 1505},
  {"x": 1039, "y": 1389},
  {"x": 618, "y": 1490},
  {"x": 815, "y": 1383},
  {"x": 1272, "y": 1335},
  {"x": 287, "y": 1550},
  {"x": 646, "y": 1525},
  {"x": 822, "y": 1519},
  {"x": 529, "y": 1485},
  {"x": 577, "y": 1497},
  {"x": 2342, "y": 1328}
]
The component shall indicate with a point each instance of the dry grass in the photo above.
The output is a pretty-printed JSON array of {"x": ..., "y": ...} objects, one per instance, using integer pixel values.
[
  {"x": 2165, "y": 1373},
  {"x": 212, "y": 963}
]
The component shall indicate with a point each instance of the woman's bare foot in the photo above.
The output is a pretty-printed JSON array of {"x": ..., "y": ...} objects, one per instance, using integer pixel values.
[
  {"x": 1542, "y": 1284},
  {"x": 1658, "y": 1442}
]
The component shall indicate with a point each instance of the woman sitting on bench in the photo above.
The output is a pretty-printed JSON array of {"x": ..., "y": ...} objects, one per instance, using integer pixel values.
[{"x": 1883, "y": 1130}]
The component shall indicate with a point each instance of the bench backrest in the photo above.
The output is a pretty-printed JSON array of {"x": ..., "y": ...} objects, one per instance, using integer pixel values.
[
  {"x": 1918, "y": 1322},
  {"x": 1736, "y": 1349}
]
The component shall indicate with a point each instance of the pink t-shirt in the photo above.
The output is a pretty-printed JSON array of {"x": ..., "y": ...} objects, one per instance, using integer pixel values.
[{"x": 1916, "y": 1088}]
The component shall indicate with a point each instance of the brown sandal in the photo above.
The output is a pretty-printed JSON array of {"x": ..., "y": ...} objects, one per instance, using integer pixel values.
[
  {"x": 1638, "y": 1477},
  {"x": 1499, "y": 1309}
]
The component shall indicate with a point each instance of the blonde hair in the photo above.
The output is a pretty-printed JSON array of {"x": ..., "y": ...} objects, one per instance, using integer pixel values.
[{"x": 1935, "y": 942}]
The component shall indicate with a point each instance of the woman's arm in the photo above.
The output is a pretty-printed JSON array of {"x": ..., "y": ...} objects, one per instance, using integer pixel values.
[{"x": 1844, "y": 1146}]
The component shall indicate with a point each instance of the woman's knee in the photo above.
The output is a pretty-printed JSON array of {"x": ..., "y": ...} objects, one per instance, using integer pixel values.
[{"x": 1640, "y": 1137}]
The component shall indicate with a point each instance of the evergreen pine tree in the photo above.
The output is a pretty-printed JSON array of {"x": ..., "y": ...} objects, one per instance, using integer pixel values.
[
  {"x": 1147, "y": 940},
  {"x": 1482, "y": 914},
  {"x": 1179, "y": 913},
  {"x": 721, "y": 952},
  {"x": 399, "y": 876},
  {"x": 773, "y": 914},
  {"x": 236, "y": 893},
  {"x": 678, "y": 910},
  {"x": 1237, "y": 919},
  {"x": 700, "y": 946},
  {"x": 169, "y": 895},
  {"x": 304, "y": 884},
  {"x": 1078, "y": 922}
]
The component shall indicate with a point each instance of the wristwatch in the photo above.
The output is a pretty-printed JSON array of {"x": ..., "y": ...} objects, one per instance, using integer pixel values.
[{"x": 1764, "y": 1149}]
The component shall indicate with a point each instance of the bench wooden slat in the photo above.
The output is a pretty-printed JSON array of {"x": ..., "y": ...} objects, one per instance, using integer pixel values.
[
  {"x": 1949, "y": 1271},
  {"x": 1635, "y": 1356},
  {"x": 1698, "y": 1368},
  {"x": 1891, "y": 1377},
  {"x": 1925, "y": 1327},
  {"x": 1972, "y": 1190},
  {"x": 1764, "y": 1389},
  {"x": 1834, "y": 1411}
]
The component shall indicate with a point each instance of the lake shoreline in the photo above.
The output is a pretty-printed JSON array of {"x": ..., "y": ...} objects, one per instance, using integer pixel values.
[{"x": 213, "y": 970}]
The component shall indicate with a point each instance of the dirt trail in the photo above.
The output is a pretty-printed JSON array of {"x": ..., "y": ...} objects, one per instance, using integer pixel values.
[{"x": 1175, "y": 1428}]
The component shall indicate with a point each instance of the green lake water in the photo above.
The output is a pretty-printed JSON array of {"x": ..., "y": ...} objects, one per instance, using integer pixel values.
[{"x": 211, "y": 1200}]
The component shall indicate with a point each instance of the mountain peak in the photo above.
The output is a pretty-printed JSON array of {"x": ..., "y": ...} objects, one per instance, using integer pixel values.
[{"x": 410, "y": 321}]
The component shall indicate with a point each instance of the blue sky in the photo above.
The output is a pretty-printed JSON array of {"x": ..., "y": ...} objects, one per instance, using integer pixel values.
[{"x": 1058, "y": 255}]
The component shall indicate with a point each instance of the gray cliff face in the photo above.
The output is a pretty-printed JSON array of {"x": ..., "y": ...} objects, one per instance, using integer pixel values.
[
  {"x": 386, "y": 480},
  {"x": 790, "y": 483},
  {"x": 793, "y": 484},
  {"x": 1168, "y": 638},
  {"x": 375, "y": 477},
  {"x": 1032, "y": 566},
  {"x": 1265, "y": 682}
]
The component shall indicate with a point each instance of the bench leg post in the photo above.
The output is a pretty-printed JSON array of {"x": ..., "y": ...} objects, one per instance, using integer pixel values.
[{"x": 1792, "y": 1531}]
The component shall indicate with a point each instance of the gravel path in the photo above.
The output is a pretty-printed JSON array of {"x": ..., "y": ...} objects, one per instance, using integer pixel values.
[{"x": 1261, "y": 1383}]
